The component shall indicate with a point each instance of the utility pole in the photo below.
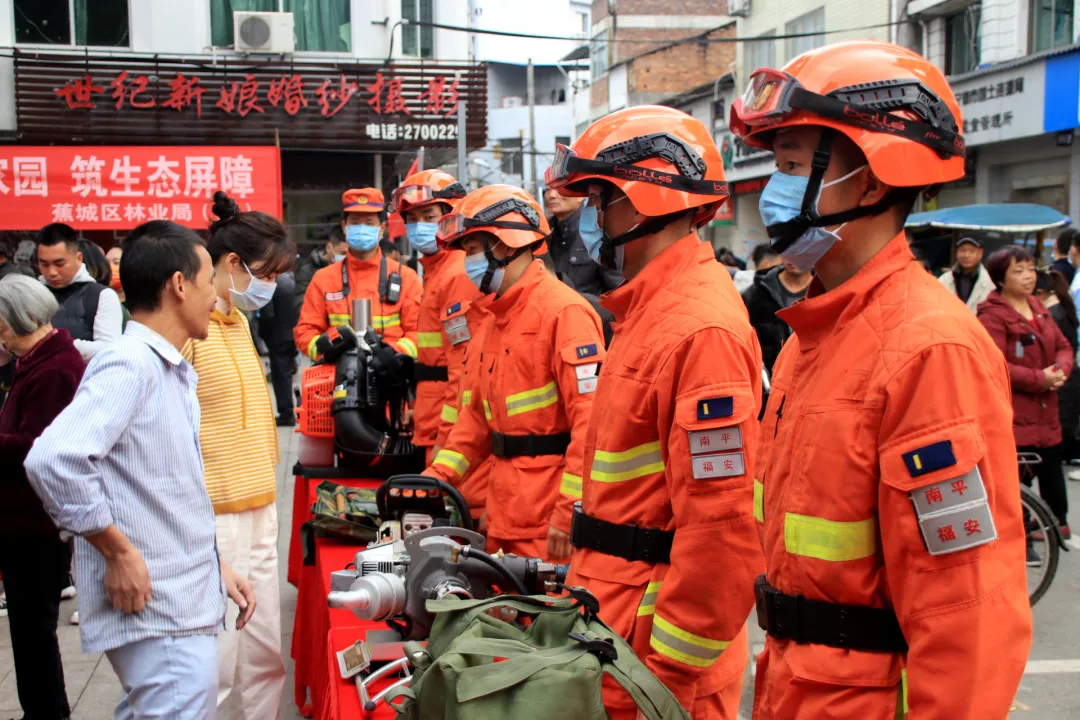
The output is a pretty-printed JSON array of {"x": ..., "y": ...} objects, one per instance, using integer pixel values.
[
  {"x": 462, "y": 166},
  {"x": 531, "y": 150}
]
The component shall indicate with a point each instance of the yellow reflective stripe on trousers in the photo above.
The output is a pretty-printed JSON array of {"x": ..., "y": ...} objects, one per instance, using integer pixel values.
[
  {"x": 571, "y": 485},
  {"x": 466, "y": 398},
  {"x": 829, "y": 540},
  {"x": 337, "y": 319},
  {"x": 529, "y": 400},
  {"x": 381, "y": 322},
  {"x": 407, "y": 345},
  {"x": 453, "y": 460},
  {"x": 311, "y": 351},
  {"x": 487, "y": 409},
  {"x": 759, "y": 501},
  {"x": 686, "y": 647},
  {"x": 429, "y": 339},
  {"x": 648, "y": 601},
  {"x": 902, "y": 701},
  {"x": 626, "y": 465},
  {"x": 449, "y": 413}
]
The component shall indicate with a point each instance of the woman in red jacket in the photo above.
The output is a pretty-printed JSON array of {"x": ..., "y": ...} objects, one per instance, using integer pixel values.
[{"x": 1040, "y": 360}]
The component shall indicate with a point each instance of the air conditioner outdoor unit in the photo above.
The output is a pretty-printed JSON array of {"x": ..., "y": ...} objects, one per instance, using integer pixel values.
[
  {"x": 513, "y": 101},
  {"x": 264, "y": 32},
  {"x": 739, "y": 8}
]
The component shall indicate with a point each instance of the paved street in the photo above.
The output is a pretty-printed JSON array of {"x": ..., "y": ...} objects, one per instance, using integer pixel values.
[{"x": 1048, "y": 691}]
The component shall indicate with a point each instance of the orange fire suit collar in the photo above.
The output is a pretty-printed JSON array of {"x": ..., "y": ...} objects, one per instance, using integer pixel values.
[
  {"x": 524, "y": 285},
  {"x": 824, "y": 312},
  {"x": 631, "y": 295}
]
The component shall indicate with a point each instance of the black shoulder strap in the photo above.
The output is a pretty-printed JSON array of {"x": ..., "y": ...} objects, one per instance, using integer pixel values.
[
  {"x": 90, "y": 304},
  {"x": 382, "y": 277},
  {"x": 345, "y": 278}
]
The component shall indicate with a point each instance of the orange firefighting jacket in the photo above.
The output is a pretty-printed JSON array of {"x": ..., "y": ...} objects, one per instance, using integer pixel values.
[
  {"x": 325, "y": 306},
  {"x": 465, "y": 392},
  {"x": 539, "y": 334},
  {"x": 671, "y": 445},
  {"x": 888, "y": 478},
  {"x": 441, "y": 342}
]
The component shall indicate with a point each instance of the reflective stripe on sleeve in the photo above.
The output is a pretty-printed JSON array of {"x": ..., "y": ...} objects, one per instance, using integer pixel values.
[
  {"x": 449, "y": 414},
  {"x": 407, "y": 345},
  {"x": 466, "y": 398},
  {"x": 571, "y": 485},
  {"x": 759, "y": 501},
  {"x": 828, "y": 540},
  {"x": 487, "y": 409},
  {"x": 337, "y": 319},
  {"x": 678, "y": 644},
  {"x": 648, "y": 600},
  {"x": 429, "y": 339},
  {"x": 453, "y": 460},
  {"x": 381, "y": 322},
  {"x": 311, "y": 351},
  {"x": 626, "y": 465},
  {"x": 530, "y": 400}
]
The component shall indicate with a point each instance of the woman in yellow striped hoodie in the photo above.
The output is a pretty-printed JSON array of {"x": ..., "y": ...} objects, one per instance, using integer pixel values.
[{"x": 238, "y": 437}]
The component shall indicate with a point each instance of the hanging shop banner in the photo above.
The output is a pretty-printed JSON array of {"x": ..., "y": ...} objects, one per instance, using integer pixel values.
[
  {"x": 1002, "y": 105},
  {"x": 82, "y": 98},
  {"x": 118, "y": 187}
]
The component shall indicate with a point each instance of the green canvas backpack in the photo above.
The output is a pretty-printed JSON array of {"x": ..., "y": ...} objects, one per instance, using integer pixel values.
[{"x": 478, "y": 667}]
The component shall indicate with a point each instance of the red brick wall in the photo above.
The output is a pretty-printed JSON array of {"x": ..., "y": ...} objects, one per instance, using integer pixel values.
[
  {"x": 622, "y": 51},
  {"x": 599, "y": 10},
  {"x": 669, "y": 7},
  {"x": 682, "y": 67},
  {"x": 599, "y": 90}
]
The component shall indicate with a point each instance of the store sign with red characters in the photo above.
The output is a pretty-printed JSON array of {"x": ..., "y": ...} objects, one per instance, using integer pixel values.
[
  {"x": 117, "y": 188},
  {"x": 64, "y": 99}
]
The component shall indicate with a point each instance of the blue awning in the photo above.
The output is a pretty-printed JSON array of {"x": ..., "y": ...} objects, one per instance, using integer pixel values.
[{"x": 1002, "y": 217}]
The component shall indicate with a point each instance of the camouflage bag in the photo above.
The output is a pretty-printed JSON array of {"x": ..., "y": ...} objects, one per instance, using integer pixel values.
[{"x": 340, "y": 512}]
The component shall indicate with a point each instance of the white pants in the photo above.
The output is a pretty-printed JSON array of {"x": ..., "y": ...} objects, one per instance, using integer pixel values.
[
  {"x": 250, "y": 660},
  {"x": 171, "y": 678}
]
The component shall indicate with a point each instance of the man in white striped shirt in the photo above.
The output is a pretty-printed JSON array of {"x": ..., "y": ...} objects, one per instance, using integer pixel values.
[{"x": 121, "y": 468}]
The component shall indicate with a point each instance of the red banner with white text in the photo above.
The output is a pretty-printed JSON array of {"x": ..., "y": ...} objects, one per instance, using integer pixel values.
[{"x": 118, "y": 187}]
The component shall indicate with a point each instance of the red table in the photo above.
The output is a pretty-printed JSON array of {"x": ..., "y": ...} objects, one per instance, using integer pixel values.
[{"x": 343, "y": 700}]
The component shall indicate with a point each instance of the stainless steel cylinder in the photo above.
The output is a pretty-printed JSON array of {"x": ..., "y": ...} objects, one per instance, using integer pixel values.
[{"x": 361, "y": 315}]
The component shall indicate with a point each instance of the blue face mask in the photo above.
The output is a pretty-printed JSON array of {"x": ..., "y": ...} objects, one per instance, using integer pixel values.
[
  {"x": 258, "y": 293},
  {"x": 781, "y": 201},
  {"x": 362, "y": 238},
  {"x": 590, "y": 232},
  {"x": 476, "y": 266},
  {"x": 422, "y": 236}
]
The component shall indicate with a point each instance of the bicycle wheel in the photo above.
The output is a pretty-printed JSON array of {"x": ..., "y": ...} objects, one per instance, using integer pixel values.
[{"x": 1042, "y": 540}]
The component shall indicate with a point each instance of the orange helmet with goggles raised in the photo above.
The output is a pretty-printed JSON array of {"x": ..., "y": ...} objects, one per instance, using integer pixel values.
[
  {"x": 663, "y": 159},
  {"x": 895, "y": 105},
  {"x": 426, "y": 188},
  {"x": 507, "y": 212}
]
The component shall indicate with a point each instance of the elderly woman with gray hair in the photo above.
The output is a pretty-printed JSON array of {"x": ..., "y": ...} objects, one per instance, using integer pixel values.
[{"x": 48, "y": 369}]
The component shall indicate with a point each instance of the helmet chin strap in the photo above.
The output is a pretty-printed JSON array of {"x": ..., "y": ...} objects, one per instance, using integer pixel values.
[
  {"x": 783, "y": 235},
  {"x": 649, "y": 226},
  {"x": 494, "y": 264}
]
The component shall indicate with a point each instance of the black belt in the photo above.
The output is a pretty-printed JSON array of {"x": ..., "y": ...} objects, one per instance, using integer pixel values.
[
  {"x": 851, "y": 627},
  {"x": 508, "y": 446},
  {"x": 423, "y": 373},
  {"x": 630, "y": 542}
]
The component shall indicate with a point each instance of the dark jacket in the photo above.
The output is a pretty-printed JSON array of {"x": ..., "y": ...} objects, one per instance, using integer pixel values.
[
  {"x": 1064, "y": 267},
  {"x": 45, "y": 382},
  {"x": 279, "y": 316},
  {"x": 11, "y": 267},
  {"x": 1069, "y": 393},
  {"x": 1029, "y": 346},
  {"x": 572, "y": 261},
  {"x": 763, "y": 299},
  {"x": 306, "y": 270}
]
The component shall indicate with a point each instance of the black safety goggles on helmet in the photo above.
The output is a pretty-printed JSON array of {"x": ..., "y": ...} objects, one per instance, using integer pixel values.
[
  {"x": 452, "y": 225},
  {"x": 416, "y": 194},
  {"x": 772, "y": 96},
  {"x": 618, "y": 161}
]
